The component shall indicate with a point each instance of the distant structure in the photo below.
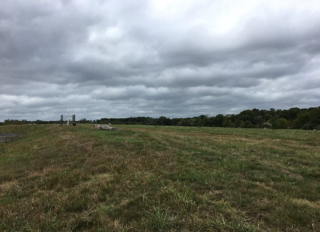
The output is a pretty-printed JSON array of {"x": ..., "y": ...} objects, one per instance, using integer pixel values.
[
  {"x": 68, "y": 121},
  {"x": 73, "y": 119}
]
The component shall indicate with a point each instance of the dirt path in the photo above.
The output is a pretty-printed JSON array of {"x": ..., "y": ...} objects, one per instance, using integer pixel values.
[{"x": 7, "y": 137}]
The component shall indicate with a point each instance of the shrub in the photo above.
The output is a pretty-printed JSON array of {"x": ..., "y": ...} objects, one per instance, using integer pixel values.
[
  {"x": 180, "y": 123},
  {"x": 267, "y": 125},
  {"x": 307, "y": 126},
  {"x": 247, "y": 124},
  {"x": 280, "y": 123}
]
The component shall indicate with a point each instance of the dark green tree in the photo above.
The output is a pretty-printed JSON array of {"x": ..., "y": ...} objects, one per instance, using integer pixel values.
[{"x": 280, "y": 123}]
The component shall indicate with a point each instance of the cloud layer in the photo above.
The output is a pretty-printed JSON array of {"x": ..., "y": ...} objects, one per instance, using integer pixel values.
[{"x": 151, "y": 58}]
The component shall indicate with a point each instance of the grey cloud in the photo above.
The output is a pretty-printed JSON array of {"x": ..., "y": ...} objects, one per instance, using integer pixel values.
[{"x": 148, "y": 58}]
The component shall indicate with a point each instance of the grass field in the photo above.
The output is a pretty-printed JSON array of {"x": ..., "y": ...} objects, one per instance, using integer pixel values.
[{"x": 147, "y": 178}]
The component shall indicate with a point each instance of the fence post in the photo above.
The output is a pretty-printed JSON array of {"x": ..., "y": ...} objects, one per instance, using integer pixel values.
[{"x": 61, "y": 120}]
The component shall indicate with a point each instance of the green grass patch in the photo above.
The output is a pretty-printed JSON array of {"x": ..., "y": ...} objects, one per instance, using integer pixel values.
[{"x": 150, "y": 178}]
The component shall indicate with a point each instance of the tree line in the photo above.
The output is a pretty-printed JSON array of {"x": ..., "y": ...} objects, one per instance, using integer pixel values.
[{"x": 293, "y": 118}]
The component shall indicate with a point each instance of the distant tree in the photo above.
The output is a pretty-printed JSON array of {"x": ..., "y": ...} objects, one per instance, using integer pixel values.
[
  {"x": 83, "y": 120},
  {"x": 272, "y": 111},
  {"x": 149, "y": 121},
  {"x": 175, "y": 121},
  {"x": 227, "y": 122},
  {"x": 315, "y": 117},
  {"x": 258, "y": 120},
  {"x": 247, "y": 124},
  {"x": 180, "y": 123},
  {"x": 267, "y": 116},
  {"x": 307, "y": 126},
  {"x": 292, "y": 113},
  {"x": 280, "y": 123},
  {"x": 230, "y": 124},
  {"x": 302, "y": 119},
  {"x": 248, "y": 115},
  {"x": 217, "y": 120},
  {"x": 192, "y": 122},
  {"x": 238, "y": 123},
  {"x": 275, "y": 117},
  {"x": 203, "y": 120},
  {"x": 308, "y": 120},
  {"x": 267, "y": 125}
]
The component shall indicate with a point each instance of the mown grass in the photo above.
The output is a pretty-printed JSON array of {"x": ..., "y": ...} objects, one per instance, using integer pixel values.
[{"x": 147, "y": 178}]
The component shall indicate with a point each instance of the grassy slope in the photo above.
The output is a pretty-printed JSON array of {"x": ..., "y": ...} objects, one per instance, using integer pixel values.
[{"x": 159, "y": 179}]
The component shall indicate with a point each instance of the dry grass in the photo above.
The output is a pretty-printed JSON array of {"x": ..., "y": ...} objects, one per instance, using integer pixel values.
[{"x": 159, "y": 179}]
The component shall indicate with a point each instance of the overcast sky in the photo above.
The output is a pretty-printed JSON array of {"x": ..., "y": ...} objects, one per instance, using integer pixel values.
[{"x": 176, "y": 58}]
